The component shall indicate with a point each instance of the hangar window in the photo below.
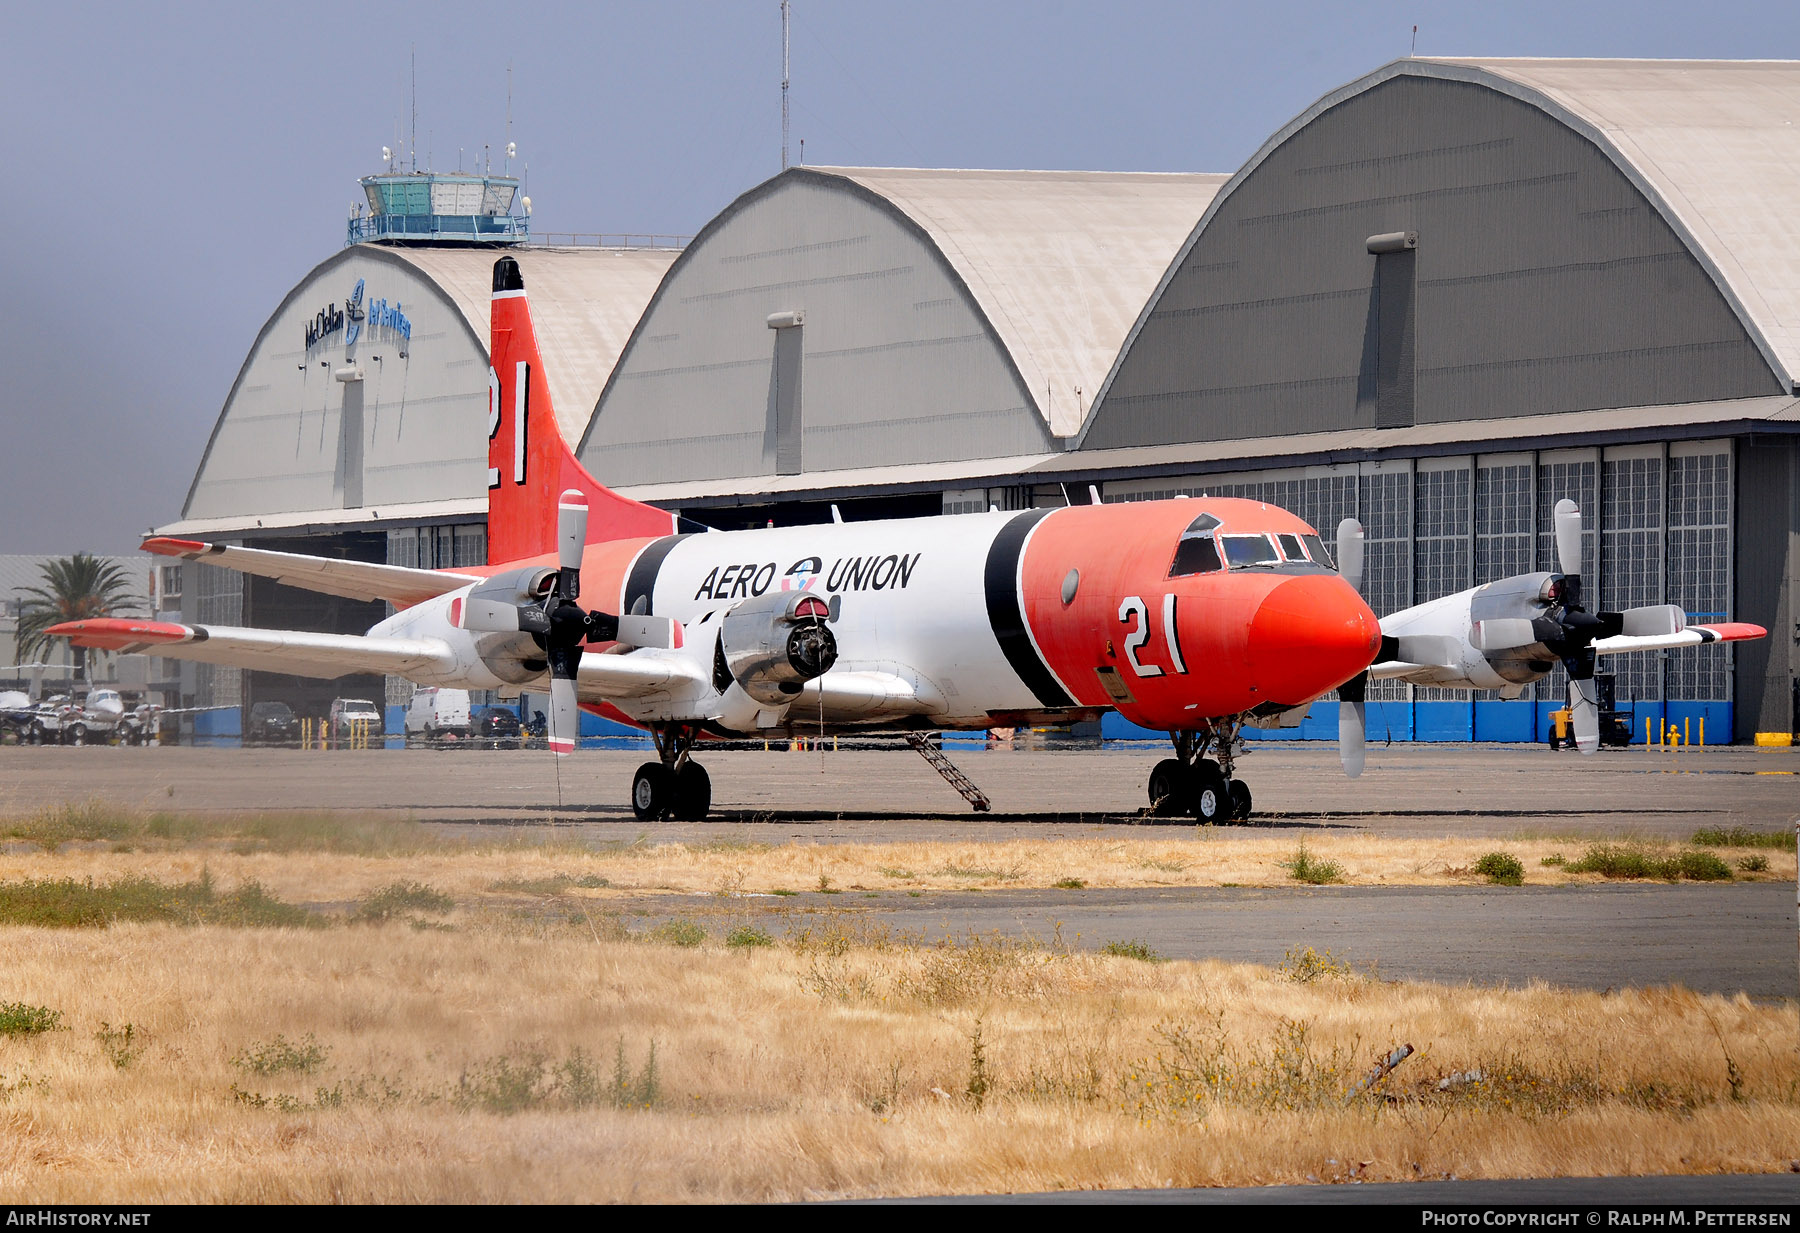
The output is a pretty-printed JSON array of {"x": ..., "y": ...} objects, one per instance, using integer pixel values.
[{"x": 1197, "y": 553}]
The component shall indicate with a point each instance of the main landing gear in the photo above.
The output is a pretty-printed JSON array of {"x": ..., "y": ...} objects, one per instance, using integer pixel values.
[
  {"x": 676, "y": 786},
  {"x": 1194, "y": 785}
]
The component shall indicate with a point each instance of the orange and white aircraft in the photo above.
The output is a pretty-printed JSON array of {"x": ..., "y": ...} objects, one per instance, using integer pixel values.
[{"x": 1190, "y": 616}]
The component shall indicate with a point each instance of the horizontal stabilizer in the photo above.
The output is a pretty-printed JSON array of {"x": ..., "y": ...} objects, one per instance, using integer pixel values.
[
  {"x": 1693, "y": 635},
  {"x": 269, "y": 650},
  {"x": 364, "y": 580}
]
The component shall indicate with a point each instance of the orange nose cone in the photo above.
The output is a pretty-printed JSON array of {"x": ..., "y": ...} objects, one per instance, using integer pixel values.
[{"x": 1310, "y": 635}]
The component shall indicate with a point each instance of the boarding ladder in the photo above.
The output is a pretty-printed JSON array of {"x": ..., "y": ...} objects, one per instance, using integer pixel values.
[{"x": 921, "y": 741}]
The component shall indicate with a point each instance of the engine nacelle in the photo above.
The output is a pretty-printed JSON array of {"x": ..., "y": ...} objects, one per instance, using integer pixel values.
[
  {"x": 515, "y": 658},
  {"x": 772, "y": 644}
]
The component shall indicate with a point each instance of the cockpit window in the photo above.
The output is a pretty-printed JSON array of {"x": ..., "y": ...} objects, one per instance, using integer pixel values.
[
  {"x": 1197, "y": 553},
  {"x": 1290, "y": 547},
  {"x": 1315, "y": 548},
  {"x": 1242, "y": 551}
]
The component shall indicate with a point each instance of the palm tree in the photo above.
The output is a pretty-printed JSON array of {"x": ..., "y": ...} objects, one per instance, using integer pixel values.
[{"x": 75, "y": 588}]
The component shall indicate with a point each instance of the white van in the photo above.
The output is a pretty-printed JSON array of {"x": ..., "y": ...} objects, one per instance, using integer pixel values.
[{"x": 435, "y": 714}]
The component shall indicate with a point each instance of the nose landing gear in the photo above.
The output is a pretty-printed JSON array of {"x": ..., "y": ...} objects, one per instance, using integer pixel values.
[{"x": 1196, "y": 786}]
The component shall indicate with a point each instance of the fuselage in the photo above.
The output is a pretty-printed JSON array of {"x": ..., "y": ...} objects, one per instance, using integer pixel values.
[{"x": 998, "y": 617}]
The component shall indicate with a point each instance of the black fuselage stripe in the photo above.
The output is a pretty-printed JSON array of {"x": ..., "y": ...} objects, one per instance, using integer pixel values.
[
  {"x": 641, "y": 582},
  {"x": 1006, "y": 614}
]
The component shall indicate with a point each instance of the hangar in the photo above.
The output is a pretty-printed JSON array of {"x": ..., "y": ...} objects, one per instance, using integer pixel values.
[{"x": 1441, "y": 298}]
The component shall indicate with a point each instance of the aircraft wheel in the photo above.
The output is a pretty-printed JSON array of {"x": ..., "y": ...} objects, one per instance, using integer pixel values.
[
  {"x": 693, "y": 793},
  {"x": 1171, "y": 786},
  {"x": 34, "y": 735},
  {"x": 1211, "y": 799},
  {"x": 1239, "y": 792},
  {"x": 651, "y": 791},
  {"x": 78, "y": 734}
]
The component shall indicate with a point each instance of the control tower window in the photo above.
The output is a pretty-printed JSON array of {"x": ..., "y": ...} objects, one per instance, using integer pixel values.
[{"x": 1197, "y": 552}]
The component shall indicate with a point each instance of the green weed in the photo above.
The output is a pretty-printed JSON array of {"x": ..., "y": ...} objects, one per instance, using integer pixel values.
[
  {"x": 1069, "y": 884},
  {"x": 979, "y": 1079},
  {"x": 398, "y": 898},
  {"x": 1136, "y": 948},
  {"x": 283, "y": 1056},
  {"x": 748, "y": 936},
  {"x": 71, "y": 904},
  {"x": 1741, "y": 837},
  {"x": 1754, "y": 864},
  {"x": 1630, "y": 861},
  {"x": 554, "y": 884},
  {"x": 525, "y": 1078},
  {"x": 1501, "y": 868},
  {"x": 121, "y": 1045},
  {"x": 1303, "y": 866},
  {"x": 1304, "y": 966},
  {"x": 678, "y": 933},
  {"x": 20, "y": 1019}
]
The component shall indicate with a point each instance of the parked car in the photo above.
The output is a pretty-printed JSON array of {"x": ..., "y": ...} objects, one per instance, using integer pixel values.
[
  {"x": 436, "y": 715},
  {"x": 495, "y": 727},
  {"x": 350, "y": 716},
  {"x": 272, "y": 723}
]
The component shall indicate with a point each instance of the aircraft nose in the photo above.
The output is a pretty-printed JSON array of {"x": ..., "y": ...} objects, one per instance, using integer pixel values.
[{"x": 1309, "y": 635}]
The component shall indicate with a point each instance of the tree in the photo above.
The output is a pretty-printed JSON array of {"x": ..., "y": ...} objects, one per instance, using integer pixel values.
[{"x": 76, "y": 588}]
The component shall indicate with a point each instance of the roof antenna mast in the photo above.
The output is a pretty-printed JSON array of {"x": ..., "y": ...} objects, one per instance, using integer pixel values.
[
  {"x": 784, "y": 85},
  {"x": 1415, "y": 44}
]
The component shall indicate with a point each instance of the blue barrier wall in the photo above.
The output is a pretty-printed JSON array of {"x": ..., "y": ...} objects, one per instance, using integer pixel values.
[
  {"x": 1487, "y": 720},
  {"x": 219, "y": 727}
]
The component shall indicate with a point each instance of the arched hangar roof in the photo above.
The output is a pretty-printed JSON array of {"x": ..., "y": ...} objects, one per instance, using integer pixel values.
[
  {"x": 948, "y": 314},
  {"x": 1061, "y": 262},
  {"x": 1715, "y": 145},
  {"x": 280, "y": 454},
  {"x": 1592, "y": 233}
]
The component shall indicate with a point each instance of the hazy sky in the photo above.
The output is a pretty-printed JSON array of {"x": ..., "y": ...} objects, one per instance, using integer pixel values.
[{"x": 177, "y": 168}]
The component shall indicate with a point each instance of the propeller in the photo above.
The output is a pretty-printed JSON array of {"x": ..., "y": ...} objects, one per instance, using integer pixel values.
[
  {"x": 559, "y": 624},
  {"x": 1352, "y": 711},
  {"x": 1569, "y": 630}
]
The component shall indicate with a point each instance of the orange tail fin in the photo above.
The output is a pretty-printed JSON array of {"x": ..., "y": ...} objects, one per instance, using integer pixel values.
[{"x": 529, "y": 463}]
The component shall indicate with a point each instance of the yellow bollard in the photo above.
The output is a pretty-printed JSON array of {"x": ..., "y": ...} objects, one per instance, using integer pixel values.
[
  {"x": 1684, "y": 731},
  {"x": 1703, "y": 732},
  {"x": 1647, "y": 741}
]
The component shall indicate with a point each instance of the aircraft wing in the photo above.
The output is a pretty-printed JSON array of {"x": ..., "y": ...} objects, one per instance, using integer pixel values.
[
  {"x": 861, "y": 695},
  {"x": 631, "y": 674},
  {"x": 398, "y": 585},
  {"x": 1693, "y": 635},
  {"x": 269, "y": 650}
]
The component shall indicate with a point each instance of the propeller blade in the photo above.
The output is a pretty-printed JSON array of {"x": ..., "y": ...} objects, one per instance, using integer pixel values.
[
  {"x": 1350, "y": 552},
  {"x": 1352, "y": 727},
  {"x": 496, "y": 616},
  {"x": 650, "y": 631},
  {"x": 565, "y": 716},
  {"x": 1655, "y": 620},
  {"x": 1352, "y": 723},
  {"x": 1568, "y": 537},
  {"x": 571, "y": 538},
  {"x": 1584, "y": 713},
  {"x": 1502, "y": 634}
]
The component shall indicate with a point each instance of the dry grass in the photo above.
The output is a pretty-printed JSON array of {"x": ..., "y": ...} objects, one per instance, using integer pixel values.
[
  {"x": 343, "y": 859},
  {"x": 502, "y": 1062}
]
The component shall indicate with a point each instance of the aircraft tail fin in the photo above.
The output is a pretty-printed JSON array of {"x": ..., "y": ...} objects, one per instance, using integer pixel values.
[{"x": 529, "y": 462}]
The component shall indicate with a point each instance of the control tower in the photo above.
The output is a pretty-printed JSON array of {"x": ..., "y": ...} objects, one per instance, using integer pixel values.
[{"x": 439, "y": 208}]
